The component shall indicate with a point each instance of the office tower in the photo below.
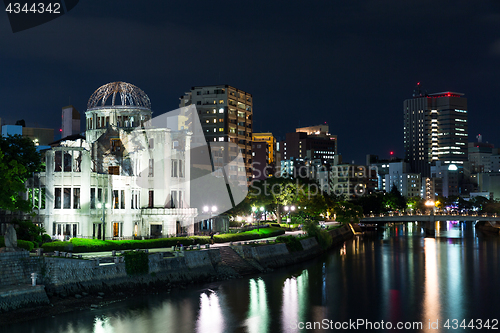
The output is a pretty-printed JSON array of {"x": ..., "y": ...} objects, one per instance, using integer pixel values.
[
  {"x": 226, "y": 116},
  {"x": 435, "y": 129}
]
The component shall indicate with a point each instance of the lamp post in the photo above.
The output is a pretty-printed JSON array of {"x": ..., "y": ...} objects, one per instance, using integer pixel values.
[
  {"x": 262, "y": 210},
  {"x": 254, "y": 212},
  {"x": 288, "y": 210},
  {"x": 212, "y": 210},
  {"x": 103, "y": 219},
  {"x": 430, "y": 203}
]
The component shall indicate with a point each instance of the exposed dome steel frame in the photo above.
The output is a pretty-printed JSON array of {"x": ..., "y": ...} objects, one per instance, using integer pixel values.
[{"x": 130, "y": 95}]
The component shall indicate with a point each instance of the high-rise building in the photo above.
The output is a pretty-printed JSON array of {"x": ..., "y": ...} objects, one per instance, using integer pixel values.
[
  {"x": 226, "y": 116},
  {"x": 435, "y": 129}
]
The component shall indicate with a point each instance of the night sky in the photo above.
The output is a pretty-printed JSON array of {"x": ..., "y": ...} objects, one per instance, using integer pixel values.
[{"x": 348, "y": 63}]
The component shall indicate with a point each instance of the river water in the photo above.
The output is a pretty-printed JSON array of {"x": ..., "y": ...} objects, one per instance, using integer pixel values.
[{"x": 393, "y": 277}]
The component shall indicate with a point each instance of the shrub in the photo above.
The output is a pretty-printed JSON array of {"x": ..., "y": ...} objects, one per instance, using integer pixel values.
[
  {"x": 136, "y": 262},
  {"x": 46, "y": 238},
  {"x": 292, "y": 243},
  {"x": 322, "y": 236},
  {"x": 27, "y": 245}
]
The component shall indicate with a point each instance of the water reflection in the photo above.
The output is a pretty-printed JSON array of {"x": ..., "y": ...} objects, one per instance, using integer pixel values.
[
  {"x": 295, "y": 301},
  {"x": 210, "y": 315},
  {"x": 394, "y": 275},
  {"x": 258, "y": 314},
  {"x": 431, "y": 293}
]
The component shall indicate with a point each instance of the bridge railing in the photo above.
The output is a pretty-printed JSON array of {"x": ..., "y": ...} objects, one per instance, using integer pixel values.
[{"x": 428, "y": 213}]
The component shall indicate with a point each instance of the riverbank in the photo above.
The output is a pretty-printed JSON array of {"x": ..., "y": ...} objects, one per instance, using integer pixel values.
[{"x": 75, "y": 284}]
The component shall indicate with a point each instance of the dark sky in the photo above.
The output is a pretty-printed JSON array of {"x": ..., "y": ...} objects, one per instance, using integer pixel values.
[{"x": 349, "y": 63}]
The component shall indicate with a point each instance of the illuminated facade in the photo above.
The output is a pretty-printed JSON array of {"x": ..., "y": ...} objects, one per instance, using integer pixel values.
[
  {"x": 271, "y": 144},
  {"x": 226, "y": 116},
  {"x": 125, "y": 179},
  {"x": 435, "y": 129}
]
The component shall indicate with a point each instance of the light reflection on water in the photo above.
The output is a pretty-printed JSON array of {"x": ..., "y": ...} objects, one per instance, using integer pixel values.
[{"x": 395, "y": 275}]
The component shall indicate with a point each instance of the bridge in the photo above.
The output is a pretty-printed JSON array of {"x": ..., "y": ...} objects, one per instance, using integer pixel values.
[
  {"x": 428, "y": 219},
  {"x": 403, "y": 217}
]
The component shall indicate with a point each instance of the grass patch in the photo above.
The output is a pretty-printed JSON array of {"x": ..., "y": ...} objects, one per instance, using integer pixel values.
[
  {"x": 249, "y": 235},
  {"x": 97, "y": 245}
]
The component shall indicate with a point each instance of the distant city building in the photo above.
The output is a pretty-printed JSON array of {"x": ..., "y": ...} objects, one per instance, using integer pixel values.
[
  {"x": 489, "y": 183},
  {"x": 481, "y": 156},
  {"x": 311, "y": 143},
  {"x": 226, "y": 116},
  {"x": 260, "y": 160},
  {"x": 445, "y": 179},
  {"x": 435, "y": 129},
  {"x": 70, "y": 121},
  {"x": 408, "y": 184},
  {"x": 381, "y": 167},
  {"x": 271, "y": 144},
  {"x": 41, "y": 137}
]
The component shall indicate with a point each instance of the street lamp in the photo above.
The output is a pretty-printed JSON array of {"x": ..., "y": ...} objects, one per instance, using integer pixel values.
[
  {"x": 430, "y": 203},
  {"x": 262, "y": 211},
  {"x": 103, "y": 219},
  {"x": 212, "y": 210},
  {"x": 288, "y": 210}
]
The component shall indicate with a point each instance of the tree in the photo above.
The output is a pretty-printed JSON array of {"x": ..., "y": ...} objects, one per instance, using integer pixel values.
[
  {"x": 18, "y": 161},
  {"x": 394, "y": 200},
  {"x": 415, "y": 203},
  {"x": 347, "y": 212}
]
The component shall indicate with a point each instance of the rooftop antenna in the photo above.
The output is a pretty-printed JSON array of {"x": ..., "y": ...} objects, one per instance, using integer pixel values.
[{"x": 418, "y": 92}]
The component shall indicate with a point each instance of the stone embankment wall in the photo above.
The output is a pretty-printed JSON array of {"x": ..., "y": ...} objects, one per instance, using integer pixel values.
[
  {"x": 15, "y": 281},
  {"x": 64, "y": 276},
  {"x": 278, "y": 255},
  {"x": 69, "y": 276}
]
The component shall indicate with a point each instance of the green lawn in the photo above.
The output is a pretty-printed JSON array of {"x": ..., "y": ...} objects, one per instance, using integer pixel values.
[{"x": 97, "y": 245}]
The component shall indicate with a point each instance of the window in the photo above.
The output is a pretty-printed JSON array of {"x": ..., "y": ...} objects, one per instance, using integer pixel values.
[
  {"x": 180, "y": 200},
  {"x": 99, "y": 195},
  {"x": 122, "y": 199},
  {"x": 76, "y": 198},
  {"x": 57, "y": 198},
  {"x": 181, "y": 168},
  {"x": 114, "y": 170},
  {"x": 221, "y": 129},
  {"x": 151, "y": 168},
  {"x": 151, "y": 143},
  {"x": 42, "y": 198},
  {"x": 151, "y": 199},
  {"x": 115, "y": 199},
  {"x": 173, "y": 199},
  {"x": 221, "y": 101},
  {"x": 67, "y": 162},
  {"x": 58, "y": 161},
  {"x": 67, "y": 198},
  {"x": 174, "y": 168},
  {"x": 92, "y": 198},
  {"x": 77, "y": 161}
]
